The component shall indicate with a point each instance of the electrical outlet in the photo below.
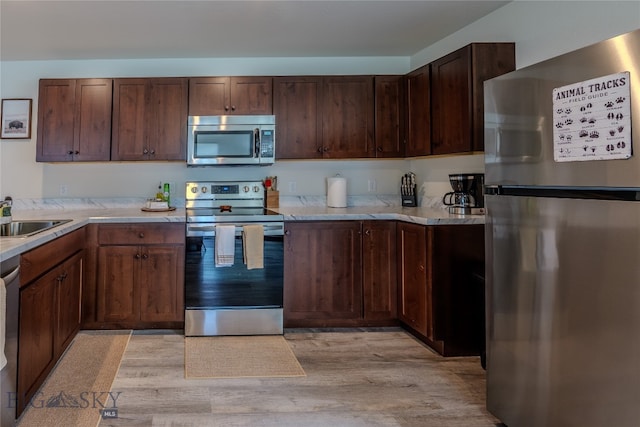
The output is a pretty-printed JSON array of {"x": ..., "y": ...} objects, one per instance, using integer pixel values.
[
  {"x": 64, "y": 189},
  {"x": 372, "y": 185},
  {"x": 293, "y": 187}
]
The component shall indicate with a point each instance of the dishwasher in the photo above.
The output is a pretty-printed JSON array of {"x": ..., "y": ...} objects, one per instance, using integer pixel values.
[{"x": 9, "y": 271}]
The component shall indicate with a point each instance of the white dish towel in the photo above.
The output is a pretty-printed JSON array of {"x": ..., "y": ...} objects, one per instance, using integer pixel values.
[{"x": 225, "y": 245}]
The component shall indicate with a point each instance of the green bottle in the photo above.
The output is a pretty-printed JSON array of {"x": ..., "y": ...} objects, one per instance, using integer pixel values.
[{"x": 167, "y": 194}]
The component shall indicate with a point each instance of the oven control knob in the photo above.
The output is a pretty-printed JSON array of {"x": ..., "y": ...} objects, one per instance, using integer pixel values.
[
  {"x": 204, "y": 189},
  {"x": 246, "y": 188},
  {"x": 194, "y": 189},
  {"x": 256, "y": 189}
]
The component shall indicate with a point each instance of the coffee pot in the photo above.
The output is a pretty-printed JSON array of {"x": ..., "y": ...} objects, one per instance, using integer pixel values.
[{"x": 468, "y": 194}]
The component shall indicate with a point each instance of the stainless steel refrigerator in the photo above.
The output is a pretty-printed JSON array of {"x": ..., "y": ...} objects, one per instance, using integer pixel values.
[{"x": 563, "y": 239}]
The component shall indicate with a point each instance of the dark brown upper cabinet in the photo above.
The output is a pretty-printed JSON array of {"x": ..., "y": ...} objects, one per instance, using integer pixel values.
[
  {"x": 74, "y": 120},
  {"x": 297, "y": 105},
  {"x": 347, "y": 117},
  {"x": 418, "y": 115},
  {"x": 457, "y": 94},
  {"x": 149, "y": 119},
  {"x": 389, "y": 116},
  {"x": 330, "y": 117},
  {"x": 216, "y": 96}
]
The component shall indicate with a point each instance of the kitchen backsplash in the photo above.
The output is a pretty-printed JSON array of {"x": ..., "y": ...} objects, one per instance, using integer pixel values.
[{"x": 381, "y": 200}]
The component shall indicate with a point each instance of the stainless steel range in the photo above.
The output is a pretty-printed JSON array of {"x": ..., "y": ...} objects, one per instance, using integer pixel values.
[{"x": 231, "y": 299}]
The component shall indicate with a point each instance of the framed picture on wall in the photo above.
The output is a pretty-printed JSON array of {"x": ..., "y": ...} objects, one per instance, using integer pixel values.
[{"x": 16, "y": 118}]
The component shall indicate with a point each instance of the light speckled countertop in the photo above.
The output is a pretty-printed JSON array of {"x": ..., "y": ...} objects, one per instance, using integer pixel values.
[
  {"x": 418, "y": 215},
  {"x": 85, "y": 211}
]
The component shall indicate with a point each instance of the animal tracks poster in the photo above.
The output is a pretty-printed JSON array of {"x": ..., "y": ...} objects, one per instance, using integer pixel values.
[{"x": 592, "y": 119}]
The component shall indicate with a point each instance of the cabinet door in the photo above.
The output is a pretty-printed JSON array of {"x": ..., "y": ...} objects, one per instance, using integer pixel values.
[
  {"x": 458, "y": 94},
  {"x": 167, "y": 119},
  {"x": 68, "y": 301},
  {"x": 161, "y": 282},
  {"x": 92, "y": 131},
  {"x": 56, "y": 115},
  {"x": 209, "y": 96},
  {"x": 117, "y": 296},
  {"x": 251, "y": 95},
  {"x": 347, "y": 117},
  {"x": 379, "y": 275},
  {"x": 389, "y": 119},
  {"x": 413, "y": 273},
  {"x": 323, "y": 265},
  {"x": 129, "y": 120},
  {"x": 418, "y": 112},
  {"x": 451, "y": 108},
  {"x": 297, "y": 105},
  {"x": 36, "y": 353}
]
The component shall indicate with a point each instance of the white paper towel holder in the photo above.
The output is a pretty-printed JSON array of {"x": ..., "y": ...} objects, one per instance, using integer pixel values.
[{"x": 337, "y": 191}]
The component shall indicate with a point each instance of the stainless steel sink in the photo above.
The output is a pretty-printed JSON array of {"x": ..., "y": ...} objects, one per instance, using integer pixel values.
[{"x": 29, "y": 227}]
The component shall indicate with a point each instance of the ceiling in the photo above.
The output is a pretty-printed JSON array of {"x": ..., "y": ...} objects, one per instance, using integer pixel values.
[{"x": 58, "y": 30}]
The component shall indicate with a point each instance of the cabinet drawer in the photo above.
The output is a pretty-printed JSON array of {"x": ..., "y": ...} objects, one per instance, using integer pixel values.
[
  {"x": 41, "y": 259},
  {"x": 141, "y": 234}
]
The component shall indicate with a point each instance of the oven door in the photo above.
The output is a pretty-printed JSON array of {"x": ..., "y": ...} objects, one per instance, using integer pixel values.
[{"x": 233, "y": 300}]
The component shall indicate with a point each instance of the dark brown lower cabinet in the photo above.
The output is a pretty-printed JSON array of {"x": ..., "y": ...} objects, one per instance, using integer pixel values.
[
  {"x": 441, "y": 300},
  {"x": 414, "y": 293},
  {"x": 139, "y": 278},
  {"x": 50, "y": 293},
  {"x": 339, "y": 273},
  {"x": 379, "y": 270}
]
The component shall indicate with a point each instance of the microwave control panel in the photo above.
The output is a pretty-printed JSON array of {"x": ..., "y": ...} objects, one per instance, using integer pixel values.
[{"x": 266, "y": 143}]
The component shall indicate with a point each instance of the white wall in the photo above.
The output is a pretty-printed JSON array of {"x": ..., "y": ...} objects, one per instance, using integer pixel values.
[{"x": 540, "y": 29}]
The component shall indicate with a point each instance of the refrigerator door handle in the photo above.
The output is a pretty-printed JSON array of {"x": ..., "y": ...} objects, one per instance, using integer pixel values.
[{"x": 492, "y": 190}]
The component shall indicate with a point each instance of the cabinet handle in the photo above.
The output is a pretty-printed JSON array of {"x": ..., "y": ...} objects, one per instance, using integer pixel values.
[
  {"x": 233, "y": 108},
  {"x": 287, "y": 232},
  {"x": 76, "y": 152},
  {"x": 145, "y": 151},
  {"x": 380, "y": 149},
  {"x": 145, "y": 256},
  {"x": 226, "y": 108},
  {"x": 421, "y": 267},
  {"x": 325, "y": 149},
  {"x": 137, "y": 256},
  {"x": 153, "y": 151},
  {"x": 141, "y": 235},
  {"x": 70, "y": 152},
  {"x": 367, "y": 232},
  {"x": 319, "y": 149}
]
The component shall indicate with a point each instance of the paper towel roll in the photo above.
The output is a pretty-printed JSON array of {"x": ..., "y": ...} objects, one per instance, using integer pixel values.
[{"x": 337, "y": 192}]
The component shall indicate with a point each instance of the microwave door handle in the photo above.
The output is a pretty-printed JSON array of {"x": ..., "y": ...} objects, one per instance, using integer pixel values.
[{"x": 256, "y": 145}]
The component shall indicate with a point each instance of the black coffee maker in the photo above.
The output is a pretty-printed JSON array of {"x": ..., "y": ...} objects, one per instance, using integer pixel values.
[{"x": 468, "y": 195}]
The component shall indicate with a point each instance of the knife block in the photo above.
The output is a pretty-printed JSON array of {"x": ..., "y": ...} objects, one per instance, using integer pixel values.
[
  {"x": 272, "y": 199},
  {"x": 410, "y": 201}
]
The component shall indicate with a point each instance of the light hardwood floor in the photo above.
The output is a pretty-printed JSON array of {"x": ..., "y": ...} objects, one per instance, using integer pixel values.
[{"x": 362, "y": 378}]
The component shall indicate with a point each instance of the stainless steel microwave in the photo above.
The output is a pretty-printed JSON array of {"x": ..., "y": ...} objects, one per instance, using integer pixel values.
[{"x": 231, "y": 140}]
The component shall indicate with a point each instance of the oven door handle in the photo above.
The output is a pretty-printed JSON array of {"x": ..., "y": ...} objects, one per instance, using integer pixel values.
[{"x": 269, "y": 230}]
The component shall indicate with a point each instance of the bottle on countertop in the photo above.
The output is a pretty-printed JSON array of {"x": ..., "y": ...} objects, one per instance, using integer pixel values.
[
  {"x": 167, "y": 193},
  {"x": 160, "y": 193},
  {"x": 5, "y": 210}
]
